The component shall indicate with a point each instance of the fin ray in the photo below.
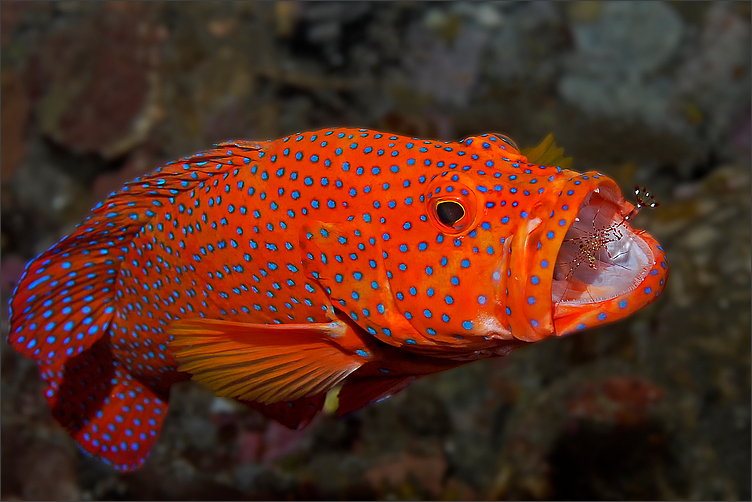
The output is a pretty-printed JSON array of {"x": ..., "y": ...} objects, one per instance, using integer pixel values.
[
  {"x": 547, "y": 154},
  {"x": 261, "y": 363}
]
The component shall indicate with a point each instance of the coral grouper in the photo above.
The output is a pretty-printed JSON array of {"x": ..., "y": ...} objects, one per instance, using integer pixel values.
[{"x": 273, "y": 272}]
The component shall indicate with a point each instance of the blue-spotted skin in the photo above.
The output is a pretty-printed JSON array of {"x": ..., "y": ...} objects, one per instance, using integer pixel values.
[{"x": 306, "y": 229}]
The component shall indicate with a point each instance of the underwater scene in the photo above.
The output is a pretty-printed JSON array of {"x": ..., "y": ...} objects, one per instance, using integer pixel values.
[{"x": 375, "y": 250}]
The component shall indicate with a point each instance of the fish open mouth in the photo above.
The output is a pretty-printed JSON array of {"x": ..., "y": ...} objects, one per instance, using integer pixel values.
[{"x": 601, "y": 256}]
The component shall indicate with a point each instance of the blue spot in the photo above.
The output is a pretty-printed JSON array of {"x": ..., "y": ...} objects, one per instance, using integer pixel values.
[{"x": 38, "y": 281}]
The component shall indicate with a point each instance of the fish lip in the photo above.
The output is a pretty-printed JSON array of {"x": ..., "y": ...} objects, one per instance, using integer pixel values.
[{"x": 500, "y": 298}]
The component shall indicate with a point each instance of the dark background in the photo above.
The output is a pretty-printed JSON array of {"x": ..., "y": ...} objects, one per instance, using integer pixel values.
[{"x": 658, "y": 94}]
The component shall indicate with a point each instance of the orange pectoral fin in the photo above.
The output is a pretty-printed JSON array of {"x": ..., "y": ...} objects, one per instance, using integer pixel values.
[
  {"x": 264, "y": 363},
  {"x": 351, "y": 270}
]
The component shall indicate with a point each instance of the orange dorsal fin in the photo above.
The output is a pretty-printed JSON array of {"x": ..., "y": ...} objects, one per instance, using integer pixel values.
[{"x": 266, "y": 363}]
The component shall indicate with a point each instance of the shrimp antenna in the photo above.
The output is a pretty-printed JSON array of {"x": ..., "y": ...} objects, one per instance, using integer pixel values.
[{"x": 644, "y": 199}]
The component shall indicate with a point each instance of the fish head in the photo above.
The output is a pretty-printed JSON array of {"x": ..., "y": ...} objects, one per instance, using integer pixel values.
[
  {"x": 522, "y": 254},
  {"x": 483, "y": 251}
]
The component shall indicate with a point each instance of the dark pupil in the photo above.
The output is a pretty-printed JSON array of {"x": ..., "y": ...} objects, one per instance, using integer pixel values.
[{"x": 449, "y": 212}]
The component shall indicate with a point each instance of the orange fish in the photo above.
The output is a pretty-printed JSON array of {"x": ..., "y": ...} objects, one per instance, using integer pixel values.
[{"x": 272, "y": 272}]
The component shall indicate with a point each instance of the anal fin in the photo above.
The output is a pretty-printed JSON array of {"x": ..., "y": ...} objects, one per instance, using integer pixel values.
[{"x": 109, "y": 413}]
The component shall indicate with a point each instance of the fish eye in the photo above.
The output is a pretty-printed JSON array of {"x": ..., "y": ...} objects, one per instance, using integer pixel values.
[
  {"x": 452, "y": 205},
  {"x": 449, "y": 212}
]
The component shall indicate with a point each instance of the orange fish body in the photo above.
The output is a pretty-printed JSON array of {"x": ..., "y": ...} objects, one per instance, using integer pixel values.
[{"x": 272, "y": 272}]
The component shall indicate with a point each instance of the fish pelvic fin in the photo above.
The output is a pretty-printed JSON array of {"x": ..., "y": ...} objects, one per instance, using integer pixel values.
[
  {"x": 110, "y": 414},
  {"x": 265, "y": 363},
  {"x": 295, "y": 414},
  {"x": 359, "y": 392},
  {"x": 67, "y": 296}
]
